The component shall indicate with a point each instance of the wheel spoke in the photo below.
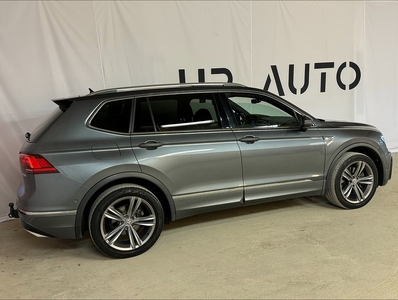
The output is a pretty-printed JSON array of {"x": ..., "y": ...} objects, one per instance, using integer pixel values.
[
  {"x": 136, "y": 237},
  {"x": 347, "y": 175},
  {"x": 359, "y": 193},
  {"x": 130, "y": 207},
  {"x": 115, "y": 234},
  {"x": 131, "y": 237},
  {"x": 146, "y": 221},
  {"x": 136, "y": 206},
  {"x": 347, "y": 191},
  {"x": 135, "y": 203},
  {"x": 114, "y": 214},
  {"x": 366, "y": 180},
  {"x": 360, "y": 166}
]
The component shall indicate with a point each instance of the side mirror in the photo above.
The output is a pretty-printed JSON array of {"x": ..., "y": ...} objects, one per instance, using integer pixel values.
[
  {"x": 255, "y": 101},
  {"x": 306, "y": 123}
]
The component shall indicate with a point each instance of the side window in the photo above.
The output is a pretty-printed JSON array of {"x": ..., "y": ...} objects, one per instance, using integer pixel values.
[
  {"x": 142, "y": 117},
  {"x": 260, "y": 112},
  {"x": 176, "y": 113},
  {"x": 113, "y": 116}
]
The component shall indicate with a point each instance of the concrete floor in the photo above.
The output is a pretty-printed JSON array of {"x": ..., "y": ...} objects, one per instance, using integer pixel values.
[{"x": 300, "y": 248}]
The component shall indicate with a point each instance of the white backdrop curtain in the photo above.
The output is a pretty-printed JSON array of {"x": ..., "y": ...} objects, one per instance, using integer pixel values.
[{"x": 300, "y": 49}]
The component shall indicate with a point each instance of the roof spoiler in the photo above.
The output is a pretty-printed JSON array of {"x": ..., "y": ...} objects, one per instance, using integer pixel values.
[{"x": 63, "y": 104}]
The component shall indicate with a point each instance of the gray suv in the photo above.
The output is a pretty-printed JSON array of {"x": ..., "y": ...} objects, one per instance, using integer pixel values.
[{"x": 122, "y": 162}]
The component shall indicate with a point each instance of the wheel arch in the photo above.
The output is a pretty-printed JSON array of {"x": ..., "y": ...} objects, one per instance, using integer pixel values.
[
  {"x": 148, "y": 182},
  {"x": 365, "y": 149},
  {"x": 372, "y": 154}
]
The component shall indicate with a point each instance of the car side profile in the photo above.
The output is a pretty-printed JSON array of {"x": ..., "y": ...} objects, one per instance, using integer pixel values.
[{"x": 122, "y": 162}]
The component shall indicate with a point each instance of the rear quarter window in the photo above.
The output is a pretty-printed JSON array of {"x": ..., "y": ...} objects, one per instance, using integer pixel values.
[{"x": 113, "y": 116}]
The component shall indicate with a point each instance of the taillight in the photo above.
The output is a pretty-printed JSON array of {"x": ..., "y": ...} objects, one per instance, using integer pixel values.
[{"x": 35, "y": 164}]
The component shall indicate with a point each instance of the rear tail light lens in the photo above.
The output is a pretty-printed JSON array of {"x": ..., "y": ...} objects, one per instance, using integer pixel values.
[{"x": 35, "y": 164}]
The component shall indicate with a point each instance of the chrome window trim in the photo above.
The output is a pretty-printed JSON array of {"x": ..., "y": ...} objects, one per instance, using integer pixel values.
[
  {"x": 188, "y": 124},
  {"x": 97, "y": 109}
]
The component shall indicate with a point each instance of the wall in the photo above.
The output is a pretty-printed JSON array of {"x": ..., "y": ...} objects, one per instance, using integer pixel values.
[{"x": 336, "y": 59}]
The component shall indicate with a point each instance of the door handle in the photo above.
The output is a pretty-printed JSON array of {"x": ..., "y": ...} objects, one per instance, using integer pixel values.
[
  {"x": 150, "y": 145},
  {"x": 249, "y": 139}
]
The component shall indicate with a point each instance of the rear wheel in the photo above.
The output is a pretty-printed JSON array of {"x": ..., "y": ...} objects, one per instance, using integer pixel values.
[
  {"x": 125, "y": 221},
  {"x": 353, "y": 181}
]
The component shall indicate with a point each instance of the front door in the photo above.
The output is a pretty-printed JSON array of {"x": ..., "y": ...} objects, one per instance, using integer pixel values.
[{"x": 279, "y": 160}]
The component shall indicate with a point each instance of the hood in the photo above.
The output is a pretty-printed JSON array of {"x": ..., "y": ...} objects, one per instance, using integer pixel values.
[{"x": 340, "y": 124}]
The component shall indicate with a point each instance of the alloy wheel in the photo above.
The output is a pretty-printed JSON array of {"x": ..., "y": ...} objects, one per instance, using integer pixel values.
[
  {"x": 128, "y": 223},
  {"x": 357, "y": 182}
]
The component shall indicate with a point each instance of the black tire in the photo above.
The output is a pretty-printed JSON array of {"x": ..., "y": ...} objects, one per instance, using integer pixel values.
[
  {"x": 353, "y": 181},
  {"x": 125, "y": 221}
]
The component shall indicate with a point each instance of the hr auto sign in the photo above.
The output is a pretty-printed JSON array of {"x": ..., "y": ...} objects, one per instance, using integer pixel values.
[{"x": 321, "y": 71}]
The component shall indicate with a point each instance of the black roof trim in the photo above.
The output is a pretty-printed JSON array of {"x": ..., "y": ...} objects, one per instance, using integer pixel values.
[
  {"x": 164, "y": 86},
  {"x": 65, "y": 103}
]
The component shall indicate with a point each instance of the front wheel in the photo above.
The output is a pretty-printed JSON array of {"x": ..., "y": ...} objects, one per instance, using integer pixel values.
[
  {"x": 125, "y": 221},
  {"x": 353, "y": 181}
]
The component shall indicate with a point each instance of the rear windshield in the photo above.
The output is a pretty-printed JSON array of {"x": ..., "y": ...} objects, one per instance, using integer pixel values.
[{"x": 45, "y": 125}]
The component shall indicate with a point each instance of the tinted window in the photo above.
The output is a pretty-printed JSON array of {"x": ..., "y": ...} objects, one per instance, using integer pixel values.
[
  {"x": 113, "y": 116},
  {"x": 143, "y": 120},
  {"x": 176, "y": 112},
  {"x": 260, "y": 112}
]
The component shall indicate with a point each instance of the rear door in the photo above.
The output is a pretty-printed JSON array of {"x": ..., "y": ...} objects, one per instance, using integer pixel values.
[
  {"x": 179, "y": 140},
  {"x": 278, "y": 158}
]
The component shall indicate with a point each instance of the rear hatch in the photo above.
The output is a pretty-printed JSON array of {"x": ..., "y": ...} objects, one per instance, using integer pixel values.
[
  {"x": 32, "y": 163},
  {"x": 34, "y": 137}
]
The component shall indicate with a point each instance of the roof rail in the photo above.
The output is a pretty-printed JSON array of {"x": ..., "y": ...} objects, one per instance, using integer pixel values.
[{"x": 172, "y": 85}]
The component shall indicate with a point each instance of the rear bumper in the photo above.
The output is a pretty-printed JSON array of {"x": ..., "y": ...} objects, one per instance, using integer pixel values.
[{"x": 59, "y": 224}]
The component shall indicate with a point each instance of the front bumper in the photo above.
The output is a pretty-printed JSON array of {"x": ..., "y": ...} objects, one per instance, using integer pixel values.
[
  {"x": 391, "y": 165},
  {"x": 388, "y": 166}
]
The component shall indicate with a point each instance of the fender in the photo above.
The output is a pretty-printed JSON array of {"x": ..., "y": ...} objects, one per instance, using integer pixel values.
[{"x": 348, "y": 146}]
